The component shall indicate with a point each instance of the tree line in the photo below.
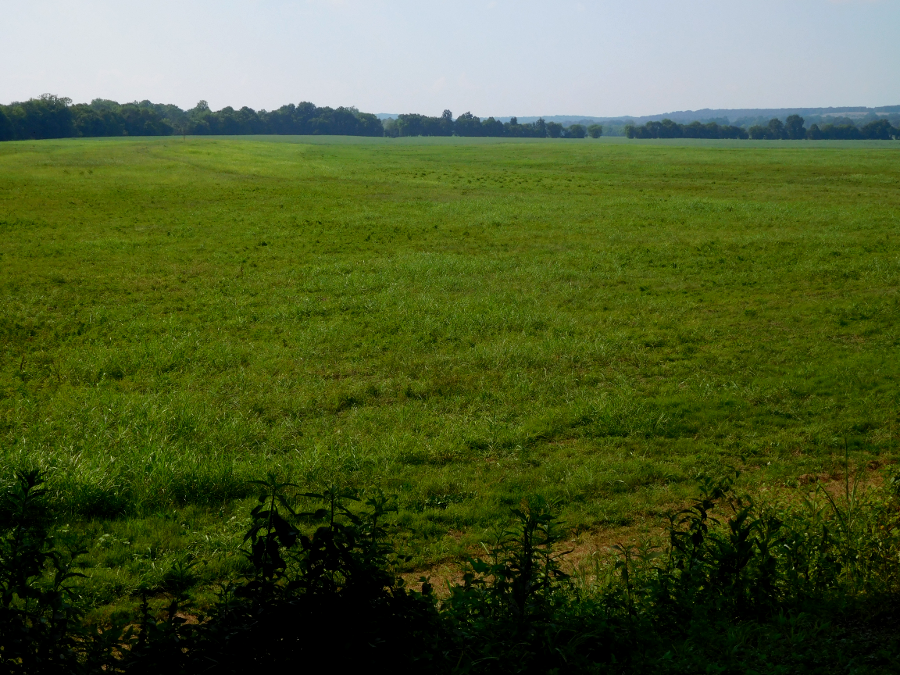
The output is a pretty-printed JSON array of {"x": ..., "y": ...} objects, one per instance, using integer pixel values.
[
  {"x": 792, "y": 129},
  {"x": 468, "y": 124},
  {"x": 55, "y": 117},
  {"x": 51, "y": 116}
]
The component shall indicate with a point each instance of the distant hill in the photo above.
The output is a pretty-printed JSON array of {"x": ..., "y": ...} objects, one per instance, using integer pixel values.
[
  {"x": 726, "y": 115},
  {"x": 731, "y": 115}
]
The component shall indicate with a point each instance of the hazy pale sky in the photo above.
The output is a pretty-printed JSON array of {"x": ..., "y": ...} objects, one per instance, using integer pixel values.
[{"x": 492, "y": 57}]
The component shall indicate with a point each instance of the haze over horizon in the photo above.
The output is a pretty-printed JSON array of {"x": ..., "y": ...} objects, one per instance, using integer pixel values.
[{"x": 494, "y": 57}]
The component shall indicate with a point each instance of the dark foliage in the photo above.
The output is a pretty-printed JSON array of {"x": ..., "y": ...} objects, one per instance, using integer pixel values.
[
  {"x": 45, "y": 117},
  {"x": 6, "y": 127},
  {"x": 877, "y": 130},
  {"x": 325, "y": 598},
  {"x": 738, "y": 588},
  {"x": 40, "y": 629},
  {"x": 422, "y": 125},
  {"x": 669, "y": 129},
  {"x": 53, "y": 117},
  {"x": 791, "y": 129},
  {"x": 880, "y": 130}
]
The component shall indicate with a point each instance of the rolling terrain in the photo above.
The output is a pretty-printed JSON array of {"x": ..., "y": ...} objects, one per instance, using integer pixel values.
[{"x": 456, "y": 322}]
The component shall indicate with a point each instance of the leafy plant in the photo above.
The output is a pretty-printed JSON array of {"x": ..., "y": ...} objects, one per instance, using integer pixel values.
[
  {"x": 505, "y": 606},
  {"x": 739, "y": 587},
  {"x": 40, "y": 627},
  {"x": 324, "y": 596}
]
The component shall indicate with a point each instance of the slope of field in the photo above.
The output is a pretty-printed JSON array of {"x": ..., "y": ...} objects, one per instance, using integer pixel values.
[{"x": 458, "y": 323}]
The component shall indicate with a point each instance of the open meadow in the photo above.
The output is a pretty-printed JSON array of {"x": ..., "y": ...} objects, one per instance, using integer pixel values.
[{"x": 457, "y": 322}]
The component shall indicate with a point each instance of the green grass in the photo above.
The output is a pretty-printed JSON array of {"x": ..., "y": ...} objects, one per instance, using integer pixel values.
[{"x": 457, "y": 322}]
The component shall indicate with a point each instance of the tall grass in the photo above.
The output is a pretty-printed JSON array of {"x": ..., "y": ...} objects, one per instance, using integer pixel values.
[{"x": 462, "y": 324}]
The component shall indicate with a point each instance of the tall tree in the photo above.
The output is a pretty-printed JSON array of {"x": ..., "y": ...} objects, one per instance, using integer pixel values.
[
  {"x": 467, "y": 125},
  {"x": 794, "y": 129},
  {"x": 554, "y": 129},
  {"x": 775, "y": 130},
  {"x": 491, "y": 127},
  {"x": 48, "y": 116},
  {"x": 446, "y": 124},
  {"x": 6, "y": 127},
  {"x": 880, "y": 130}
]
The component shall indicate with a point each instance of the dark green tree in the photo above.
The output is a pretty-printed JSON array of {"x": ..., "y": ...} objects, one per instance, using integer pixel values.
[
  {"x": 880, "y": 130},
  {"x": 670, "y": 129},
  {"x": 492, "y": 127},
  {"x": 757, "y": 132},
  {"x": 446, "y": 123},
  {"x": 422, "y": 125},
  {"x": 48, "y": 116},
  {"x": 467, "y": 125},
  {"x": 841, "y": 132},
  {"x": 513, "y": 128},
  {"x": 794, "y": 129},
  {"x": 6, "y": 127},
  {"x": 775, "y": 131}
]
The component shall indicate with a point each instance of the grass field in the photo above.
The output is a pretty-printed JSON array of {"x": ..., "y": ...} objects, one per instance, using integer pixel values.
[{"x": 457, "y": 322}]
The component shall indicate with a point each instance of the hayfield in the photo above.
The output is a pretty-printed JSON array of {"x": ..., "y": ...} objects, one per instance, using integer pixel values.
[{"x": 457, "y": 322}]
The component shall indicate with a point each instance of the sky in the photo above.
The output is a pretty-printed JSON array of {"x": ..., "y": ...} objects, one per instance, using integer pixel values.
[{"x": 490, "y": 57}]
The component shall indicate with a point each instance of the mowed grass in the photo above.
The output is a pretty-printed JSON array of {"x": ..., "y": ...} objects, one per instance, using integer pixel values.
[{"x": 459, "y": 323}]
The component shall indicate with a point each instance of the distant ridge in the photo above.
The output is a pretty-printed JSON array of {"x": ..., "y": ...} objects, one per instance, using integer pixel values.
[{"x": 732, "y": 115}]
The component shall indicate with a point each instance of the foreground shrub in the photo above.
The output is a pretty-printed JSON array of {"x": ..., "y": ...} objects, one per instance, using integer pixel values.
[
  {"x": 739, "y": 587},
  {"x": 40, "y": 626},
  {"x": 327, "y": 597}
]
